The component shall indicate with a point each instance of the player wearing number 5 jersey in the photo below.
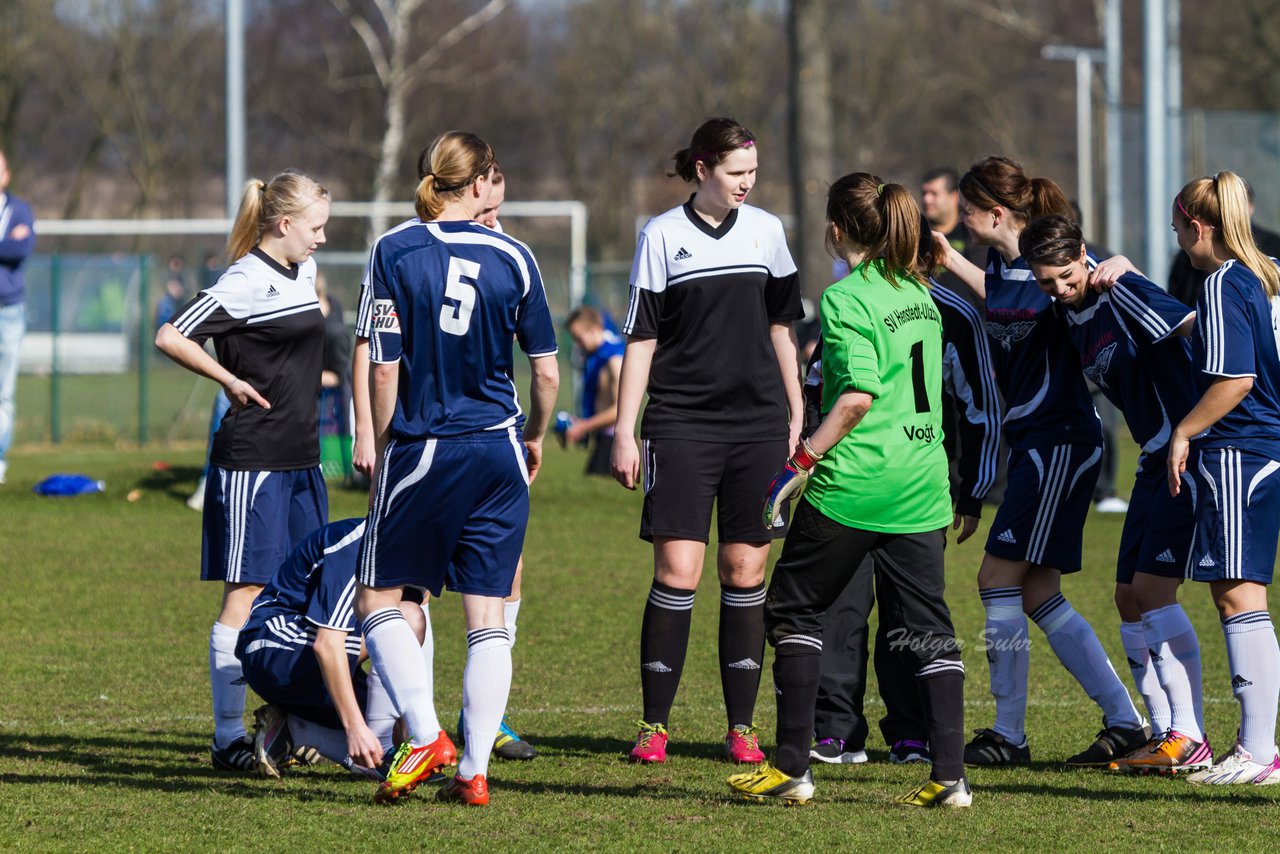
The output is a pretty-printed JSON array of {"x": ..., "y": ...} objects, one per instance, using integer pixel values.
[
  {"x": 879, "y": 488},
  {"x": 450, "y": 496}
]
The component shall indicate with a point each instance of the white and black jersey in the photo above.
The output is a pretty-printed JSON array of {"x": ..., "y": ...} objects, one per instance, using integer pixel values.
[
  {"x": 708, "y": 295},
  {"x": 268, "y": 330}
]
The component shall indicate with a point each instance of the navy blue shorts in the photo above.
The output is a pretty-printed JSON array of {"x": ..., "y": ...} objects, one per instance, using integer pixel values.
[
  {"x": 288, "y": 675},
  {"x": 448, "y": 512},
  {"x": 1158, "y": 528},
  {"x": 1041, "y": 519},
  {"x": 1237, "y": 516},
  {"x": 253, "y": 519}
]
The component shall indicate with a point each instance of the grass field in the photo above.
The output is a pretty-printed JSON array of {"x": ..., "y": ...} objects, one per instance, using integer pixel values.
[{"x": 105, "y": 722}]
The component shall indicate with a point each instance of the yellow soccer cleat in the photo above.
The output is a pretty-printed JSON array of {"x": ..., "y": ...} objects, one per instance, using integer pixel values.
[
  {"x": 934, "y": 794},
  {"x": 767, "y": 783}
]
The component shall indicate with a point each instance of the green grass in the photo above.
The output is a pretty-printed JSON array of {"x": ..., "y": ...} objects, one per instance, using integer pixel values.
[{"x": 105, "y": 722}]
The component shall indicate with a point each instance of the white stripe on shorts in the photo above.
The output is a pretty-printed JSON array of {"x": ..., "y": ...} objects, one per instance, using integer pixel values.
[
  {"x": 515, "y": 443},
  {"x": 367, "y": 563},
  {"x": 1050, "y": 495}
]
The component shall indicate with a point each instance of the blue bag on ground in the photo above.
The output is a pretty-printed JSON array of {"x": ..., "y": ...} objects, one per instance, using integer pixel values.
[{"x": 69, "y": 484}]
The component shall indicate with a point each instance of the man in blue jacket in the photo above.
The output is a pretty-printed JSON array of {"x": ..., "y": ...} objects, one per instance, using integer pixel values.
[{"x": 17, "y": 239}]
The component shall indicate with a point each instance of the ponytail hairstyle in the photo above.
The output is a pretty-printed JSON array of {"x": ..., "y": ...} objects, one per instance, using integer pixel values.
[
  {"x": 1051, "y": 240},
  {"x": 264, "y": 204},
  {"x": 928, "y": 256},
  {"x": 713, "y": 141},
  {"x": 447, "y": 168},
  {"x": 1000, "y": 181},
  {"x": 881, "y": 219},
  {"x": 1222, "y": 202}
]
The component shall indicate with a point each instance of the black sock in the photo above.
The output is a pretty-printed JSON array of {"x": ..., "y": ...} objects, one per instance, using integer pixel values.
[
  {"x": 797, "y": 667},
  {"x": 942, "y": 689},
  {"x": 664, "y": 637},
  {"x": 741, "y": 650}
]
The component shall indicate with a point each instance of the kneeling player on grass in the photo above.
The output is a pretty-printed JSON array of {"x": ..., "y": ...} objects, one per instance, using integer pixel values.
[
  {"x": 879, "y": 487},
  {"x": 1131, "y": 344},
  {"x": 301, "y": 651}
]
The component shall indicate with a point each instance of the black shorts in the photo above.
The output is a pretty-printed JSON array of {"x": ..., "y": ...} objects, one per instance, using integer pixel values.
[
  {"x": 601, "y": 450},
  {"x": 821, "y": 556},
  {"x": 683, "y": 478}
]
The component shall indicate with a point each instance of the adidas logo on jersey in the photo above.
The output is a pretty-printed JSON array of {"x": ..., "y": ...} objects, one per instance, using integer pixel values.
[
  {"x": 656, "y": 667},
  {"x": 745, "y": 664},
  {"x": 1207, "y": 561},
  {"x": 1238, "y": 682},
  {"x": 1008, "y": 537},
  {"x": 272, "y": 292},
  {"x": 683, "y": 254},
  {"x": 1166, "y": 556}
]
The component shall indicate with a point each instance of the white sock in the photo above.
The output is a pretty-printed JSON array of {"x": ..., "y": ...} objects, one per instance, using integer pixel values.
[
  {"x": 227, "y": 681},
  {"x": 1254, "y": 657},
  {"x": 486, "y": 682},
  {"x": 379, "y": 712},
  {"x": 429, "y": 659},
  {"x": 1134, "y": 639},
  {"x": 1175, "y": 653},
  {"x": 394, "y": 649},
  {"x": 510, "y": 610},
  {"x": 1077, "y": 647},
  {"x": 331, "y": 743},
  {"x": 1009, "y": 657}
]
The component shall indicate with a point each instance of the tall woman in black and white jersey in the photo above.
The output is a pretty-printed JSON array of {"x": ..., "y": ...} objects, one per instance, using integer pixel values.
[
  {"x": 709, "y": 336},
  {"x": 264, "y": 491}
]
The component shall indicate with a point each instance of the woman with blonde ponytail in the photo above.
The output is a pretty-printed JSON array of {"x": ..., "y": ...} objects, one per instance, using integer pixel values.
[
  {"x": 877, "y": 480},
  {"x": 444, "y": 299},
  {"x": 1055, "y": 444},
  {"x": 1236, "y": 428},
  {"x": 264, "y": 491}
]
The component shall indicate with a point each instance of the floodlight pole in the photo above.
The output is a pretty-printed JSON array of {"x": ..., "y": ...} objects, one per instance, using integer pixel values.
[
  {"x": 1113, "y": 79},
  {"x": 235, "y": 104},
  {"x": 1155, "y": 113},
  {"x": 1084, "y": 58}
]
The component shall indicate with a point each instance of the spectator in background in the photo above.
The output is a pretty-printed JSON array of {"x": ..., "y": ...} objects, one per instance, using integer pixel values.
[
  {"x": 211, "y": 271},
  {"x": 335, "y": 377},
  {"x": 1186, "y": 282},
  {"x": 17, "y": 239},
  {"x": 602, "y": 367},
  {"x": 175, "y": 294},
  {"x": 940, "y": 201}
]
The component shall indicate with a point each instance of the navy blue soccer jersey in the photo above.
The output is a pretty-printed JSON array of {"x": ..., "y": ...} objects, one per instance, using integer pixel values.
[
  {"x": 1127, "y": 346},
  {"x": 1237, "y": 335},
  {"x": 1046, "y": 399},
  {"x": 314, "y": 588},
  {"x": 446, "y": 300}
]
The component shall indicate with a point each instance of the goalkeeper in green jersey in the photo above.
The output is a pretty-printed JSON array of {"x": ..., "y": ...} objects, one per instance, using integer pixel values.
[{"x": 877, "y": 483}]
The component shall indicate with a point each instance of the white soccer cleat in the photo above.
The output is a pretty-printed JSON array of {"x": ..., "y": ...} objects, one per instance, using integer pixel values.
[{"x": 1237, "y": 768}]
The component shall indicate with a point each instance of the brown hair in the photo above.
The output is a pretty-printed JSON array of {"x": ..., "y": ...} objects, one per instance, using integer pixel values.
[
  {"x": 1223, "y": 202},
  {"x": 1000, "y": 181},
  {"x": 263, "y": 204},
  {"x": 448, "y": 167},
  {"x": 586, "y": 314},
  {"x": 712, "y": 142},
  {"x": 1054, "y": 240},
  {"x": 882, "y": 219}
]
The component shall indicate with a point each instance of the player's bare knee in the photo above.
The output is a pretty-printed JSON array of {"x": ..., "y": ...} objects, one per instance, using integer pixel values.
[{"x": 1128, "y": 603}]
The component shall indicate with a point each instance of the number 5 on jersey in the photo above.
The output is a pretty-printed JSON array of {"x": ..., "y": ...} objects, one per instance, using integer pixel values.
[{"x": 456, "y": 320}]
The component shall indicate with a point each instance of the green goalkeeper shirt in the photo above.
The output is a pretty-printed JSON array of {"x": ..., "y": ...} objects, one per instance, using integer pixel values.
[{"x": 889, "y": 473}]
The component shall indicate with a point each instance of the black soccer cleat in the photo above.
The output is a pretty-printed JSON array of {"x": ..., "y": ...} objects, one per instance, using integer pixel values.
[
  {"x": 991, "y": 749},
  {"x": 1111, "y": 744}
]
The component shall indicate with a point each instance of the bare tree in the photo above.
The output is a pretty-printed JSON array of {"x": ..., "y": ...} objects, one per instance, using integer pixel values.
[
  {"x": 812, "y": 137},
  {"x": 386, "y": 28}
]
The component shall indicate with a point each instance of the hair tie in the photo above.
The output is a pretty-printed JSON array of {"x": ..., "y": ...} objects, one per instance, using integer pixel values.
[
  {"x": 1177, "y": 200},
  {"x": 879, "y": 189}
]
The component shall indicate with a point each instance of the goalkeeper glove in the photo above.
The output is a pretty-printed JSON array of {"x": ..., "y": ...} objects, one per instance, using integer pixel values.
[{"x": 789, "y": 483}]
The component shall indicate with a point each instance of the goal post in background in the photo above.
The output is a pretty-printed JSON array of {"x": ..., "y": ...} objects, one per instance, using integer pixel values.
[{"x": 89, "y": 370}]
